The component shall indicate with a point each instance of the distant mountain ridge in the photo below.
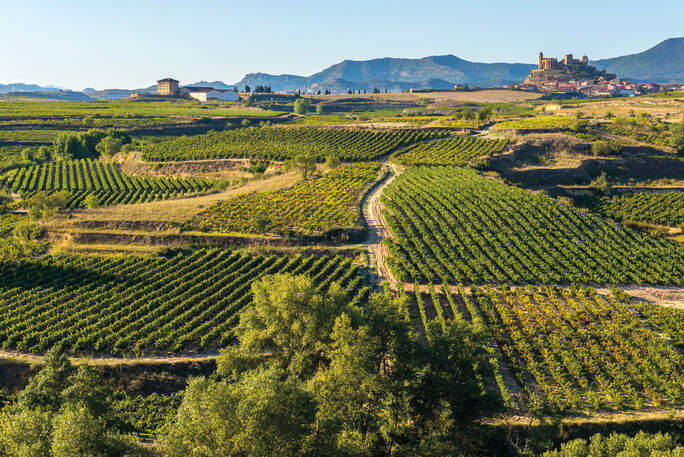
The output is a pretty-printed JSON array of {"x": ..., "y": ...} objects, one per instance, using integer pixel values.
[
  {"x": 392, "y": 73},
  {"x": 663, "y": 63}
]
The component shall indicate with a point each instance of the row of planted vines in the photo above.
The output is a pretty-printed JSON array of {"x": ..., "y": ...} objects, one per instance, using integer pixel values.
[
  {"x": 541, "y": 123},
  {"x": 569, "y": 348},
  {"x": 105, "y": 180},
  {"x": 452, "y": 224},
  {"x": 129, "y": 304},
  {"x": 285, "y": 143},
  {"x": 455, "y": 150},
  {"x": 664, "y": 208},
  {"x": 310, "y": 206}
]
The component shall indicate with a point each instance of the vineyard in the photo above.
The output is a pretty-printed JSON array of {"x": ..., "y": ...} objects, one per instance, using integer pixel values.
[
  {"x": 129, "y": 305},
  {"x": 663, "y": 208},
  {"x": 539, "y": 122},
  {"x": 637, "y": 135},
  {"x": 454, "y": 150},
  {"x": 104, "y": 180},
  {"x": 569, "y": 348},
  {"x": 18, "y": 110},
  {"x": 453, "y": 225},
  {"x": 33, "y": 136},
  {"x": 310, "y": 206},
  {"x": 286, "y": 143},
  {"x": 96, "y": 121}
]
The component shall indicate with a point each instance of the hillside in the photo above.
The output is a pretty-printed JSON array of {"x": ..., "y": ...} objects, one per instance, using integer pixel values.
[
  {"x": 663, "y": 62},
  {"x": 392, "y": 73}
]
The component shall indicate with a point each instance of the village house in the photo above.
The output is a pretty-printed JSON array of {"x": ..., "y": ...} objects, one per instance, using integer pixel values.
[
  {"x": 209, "y": 93},
  {"x": 167, "y": 87}
]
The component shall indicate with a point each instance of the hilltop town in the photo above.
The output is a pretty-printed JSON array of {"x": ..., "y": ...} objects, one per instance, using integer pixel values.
[{"x": 576, "y": 75}]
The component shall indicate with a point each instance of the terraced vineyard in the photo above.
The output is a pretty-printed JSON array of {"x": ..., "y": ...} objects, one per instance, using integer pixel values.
[
  {"x": 31, "y": 136},
  {"x": 286, "y": 143},
  {"x": 129, "y": 304},
  {"x": 570, "y": 348},
  {"x": 451, "y": 224},
  {"x": 539, "y": 122},
  {"x": 454, "y": 150},
  {"x": 310, "y": 206},
  {"x": 86, "y": 177},
  {"x": 663, "y": 208}
]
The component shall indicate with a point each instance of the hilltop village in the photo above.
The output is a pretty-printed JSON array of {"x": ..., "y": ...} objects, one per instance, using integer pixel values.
[{"x": 576, "y": 75}]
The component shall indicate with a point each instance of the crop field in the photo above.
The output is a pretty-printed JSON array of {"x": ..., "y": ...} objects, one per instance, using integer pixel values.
[
  {"x": 666, "y": 208},
  {"x": 454, "y": 150},
  {"x": 453, "y": 225},
  {"x": 95, "y": 121},
  {"x": 644, "y": 137},
  {"x": 104, "y": 180},
  {"x": 539, "y": 122},
  {"x": 572, "y": 348},
  {"x": 36, "y": 136},
  {"x": 286, "y": 143},
  {"x": 129, "y": 304},
  {"x": 11, "y": 109},
  {"x": 310, "y": 206}
]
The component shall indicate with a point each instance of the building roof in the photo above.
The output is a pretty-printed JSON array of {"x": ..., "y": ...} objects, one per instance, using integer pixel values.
[
  {"x": 206, "y": 89},
  {"x": 167, "y": 80}
]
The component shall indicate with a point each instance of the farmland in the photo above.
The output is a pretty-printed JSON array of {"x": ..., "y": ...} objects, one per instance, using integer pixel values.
[
  {"x": 455, "y": 150},
  {"x": 105, "y": 181},
  {"x": 452, "y": 224},
  {"x": 440, "y": 267},
  {"x": 310, "y": 206},
  {"x": 571, "y": 348},
  {"x": 666, "y": 208},
  {"x": 286, "y": 143},
  {"x": 128, "y": 305}
]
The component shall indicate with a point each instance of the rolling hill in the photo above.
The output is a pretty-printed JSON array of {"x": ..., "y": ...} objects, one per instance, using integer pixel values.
[{"x": 662, "y": 63}]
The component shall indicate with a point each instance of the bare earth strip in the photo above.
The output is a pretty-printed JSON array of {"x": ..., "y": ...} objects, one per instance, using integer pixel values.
[{"x": 109, "y": 361}]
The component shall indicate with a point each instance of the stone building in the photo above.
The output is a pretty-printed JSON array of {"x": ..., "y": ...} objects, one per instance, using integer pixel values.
[{"x": 167, "y": 86}]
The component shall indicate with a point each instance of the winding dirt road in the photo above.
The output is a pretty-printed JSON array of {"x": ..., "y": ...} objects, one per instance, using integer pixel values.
[{"x": 378, "y": 230}]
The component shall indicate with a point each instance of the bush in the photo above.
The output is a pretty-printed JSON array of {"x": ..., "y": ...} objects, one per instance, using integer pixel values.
[
  {"x": 91, "y": 201},
  {"x": 642, "y": 444},
  {"x": 601, "y": 148},
  {"x": 29, "y": 231}
]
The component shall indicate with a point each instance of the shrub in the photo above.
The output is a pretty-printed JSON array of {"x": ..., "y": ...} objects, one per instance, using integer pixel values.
[
  {"x": 92, "y": 201},
  {"x": 302, "y": 106},
  {"x": 29, "y": 231}
]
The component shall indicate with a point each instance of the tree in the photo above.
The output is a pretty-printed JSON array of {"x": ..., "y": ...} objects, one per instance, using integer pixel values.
[
  {"x": 302, "y": 106},
  {"x": 349, "y": 92},
  {"x": 304, "y": 164},
  {"x": 332, "y": 162},
  {"x": 63, "y": 412},
  {"x": 484, "y": 113},
  {"x": 247, "y": 89},
  {"x": 67, "y": 146},
  {"x": 320, "y": 108},
  {"x": 264, "y": 414},
  {"x": 109, "y": 146},
  {"x": 289, "y": 320}
]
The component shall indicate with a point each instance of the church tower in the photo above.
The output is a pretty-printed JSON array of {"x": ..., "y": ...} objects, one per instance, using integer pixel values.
[{"x": 541, "y": 58}]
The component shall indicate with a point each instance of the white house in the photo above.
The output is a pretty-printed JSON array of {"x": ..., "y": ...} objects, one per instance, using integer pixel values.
[{"x": 209, "y": 93}]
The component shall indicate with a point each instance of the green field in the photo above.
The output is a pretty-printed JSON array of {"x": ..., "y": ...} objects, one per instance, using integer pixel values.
[
  {"x": 311, "y": 206},
  {"x": 285, "y": 143},
  {"x": 454, "y": 225},
  {"x": 129, "y": 304},
  {"x": 454, "y": 150}
]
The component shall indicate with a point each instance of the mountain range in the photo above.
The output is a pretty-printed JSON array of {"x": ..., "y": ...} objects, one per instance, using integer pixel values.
[{"x": 663, "y": 63}]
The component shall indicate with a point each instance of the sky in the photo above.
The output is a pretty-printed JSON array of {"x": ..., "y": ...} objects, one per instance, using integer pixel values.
[{"x": 132, "y": 43}]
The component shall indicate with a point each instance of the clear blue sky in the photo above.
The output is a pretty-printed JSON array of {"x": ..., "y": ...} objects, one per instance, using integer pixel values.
[{"x": 132, "y": 43}]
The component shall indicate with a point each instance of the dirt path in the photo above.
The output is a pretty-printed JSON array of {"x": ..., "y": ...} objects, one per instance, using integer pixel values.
[{"x": 378, "y": 230}]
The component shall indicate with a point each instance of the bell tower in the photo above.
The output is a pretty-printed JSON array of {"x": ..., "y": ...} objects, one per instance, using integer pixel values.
[{"x": 541, "y": 58}]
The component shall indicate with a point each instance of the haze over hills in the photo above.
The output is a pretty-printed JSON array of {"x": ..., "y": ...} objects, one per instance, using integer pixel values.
[{"x": 662, "y": 63}]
